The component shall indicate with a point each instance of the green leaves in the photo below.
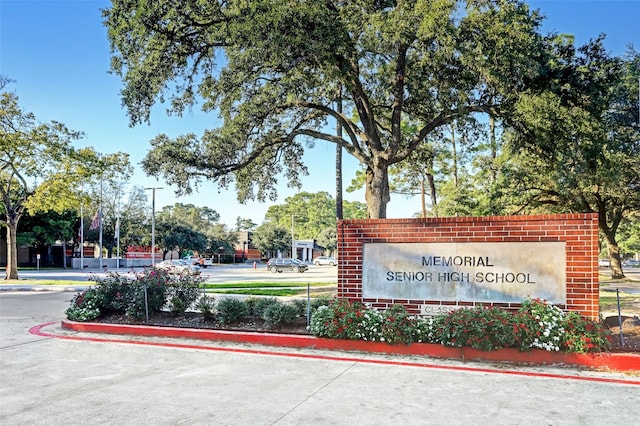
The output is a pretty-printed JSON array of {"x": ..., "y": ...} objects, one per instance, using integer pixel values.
[{"x": 273, "y": 69}]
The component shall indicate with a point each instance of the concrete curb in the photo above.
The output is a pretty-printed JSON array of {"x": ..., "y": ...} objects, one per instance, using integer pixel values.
[{"x": 619, "y": 362}]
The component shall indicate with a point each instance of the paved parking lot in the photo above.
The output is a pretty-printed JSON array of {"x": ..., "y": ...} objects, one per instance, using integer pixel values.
[{"x": 215, "y": 274}]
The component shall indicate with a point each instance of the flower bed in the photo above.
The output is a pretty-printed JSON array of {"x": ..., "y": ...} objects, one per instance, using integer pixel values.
[{"x": 538, "y": 325}]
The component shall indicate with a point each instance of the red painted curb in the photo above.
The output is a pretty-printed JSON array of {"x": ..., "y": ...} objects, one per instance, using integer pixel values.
[{"x": 623, "y": 362}]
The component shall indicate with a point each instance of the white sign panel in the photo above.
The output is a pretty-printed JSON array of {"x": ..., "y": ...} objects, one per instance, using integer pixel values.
[{"x": 480, "y": 272}]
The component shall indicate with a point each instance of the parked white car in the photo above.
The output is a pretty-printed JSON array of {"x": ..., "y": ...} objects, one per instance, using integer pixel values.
[
  {"x": 325, "y": 260},
  {"x": 198, "y": 261},
  {"x": 178, "y": 267}
]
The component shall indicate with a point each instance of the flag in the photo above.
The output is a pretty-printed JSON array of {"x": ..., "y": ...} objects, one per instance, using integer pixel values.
[
  {"x": 117, "y": 230},
  {"x": 95, "y": 222}
]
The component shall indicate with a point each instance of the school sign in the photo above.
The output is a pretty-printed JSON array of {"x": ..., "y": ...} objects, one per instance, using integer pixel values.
[{"x": 436, "y": 265}]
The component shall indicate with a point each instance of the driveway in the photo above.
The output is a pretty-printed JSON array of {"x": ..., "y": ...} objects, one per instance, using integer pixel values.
[{"x": 63, "y": 377}]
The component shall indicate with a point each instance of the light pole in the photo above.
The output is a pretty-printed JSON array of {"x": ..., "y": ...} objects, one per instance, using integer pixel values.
[{"x": 153, "y": 224}]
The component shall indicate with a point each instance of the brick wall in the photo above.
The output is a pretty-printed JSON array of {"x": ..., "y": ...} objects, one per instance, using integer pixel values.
[{"x": 578, "y": 231}]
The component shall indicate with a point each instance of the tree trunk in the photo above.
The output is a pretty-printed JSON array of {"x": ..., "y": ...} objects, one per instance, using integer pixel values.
[
  {"x": 12, "y": 250},
  {"x": 434, "y": 197},
  {"x": 494, "y": 150},
  {"x": 64, "y": 254},
  {"x": 423, "y": 198},
  {"x": 614, "y": 254},
  {"x": 339, "y": 212},
  {"x": 377, "y": 190},
  {"x": 454, "y": 155}
]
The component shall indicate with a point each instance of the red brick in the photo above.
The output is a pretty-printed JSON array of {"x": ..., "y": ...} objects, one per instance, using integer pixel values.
[{"x": 579, "y": 231}]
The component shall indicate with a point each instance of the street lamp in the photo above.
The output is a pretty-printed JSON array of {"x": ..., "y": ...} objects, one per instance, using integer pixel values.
[{"x": 153, "y": 224}]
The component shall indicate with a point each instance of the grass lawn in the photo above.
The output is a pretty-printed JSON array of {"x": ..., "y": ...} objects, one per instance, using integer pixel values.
[{"x": 629, "y": 302}]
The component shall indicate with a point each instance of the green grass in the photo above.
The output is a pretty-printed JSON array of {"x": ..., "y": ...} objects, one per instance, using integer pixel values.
[
  {"x": 271, "y": 288},
  {"x": 245, "y": 285},
  {"x": 64, "y": 283},
  {"x": 609, "y": 301},
  {"x": 284, "y": 292}
]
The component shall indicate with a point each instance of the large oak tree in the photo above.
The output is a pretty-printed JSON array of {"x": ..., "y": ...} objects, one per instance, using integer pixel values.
[{"x": 273, "y": 70}]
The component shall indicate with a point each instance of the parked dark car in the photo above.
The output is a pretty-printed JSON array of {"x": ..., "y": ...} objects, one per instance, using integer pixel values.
[{"x": 286, "y": 264}]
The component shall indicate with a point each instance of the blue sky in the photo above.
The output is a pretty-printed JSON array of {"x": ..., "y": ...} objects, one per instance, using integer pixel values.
[{"x": 58, "y": 54}]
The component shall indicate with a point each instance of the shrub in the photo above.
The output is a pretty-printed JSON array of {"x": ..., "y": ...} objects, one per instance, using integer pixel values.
[
  {"x": 206, "y": 305},
  {"x": 369, "y": 325},
  {"x": 397, "y": 325},
  {"x": 423, "y": 330},
  {"x": 320, "y": 301},
  {"x": 231, "y": 310},
  {"x": 300, "y": 306},
  {"x": 584, "y": 335},
  {"x": 147, "y": 291},
  {"x": 84, "y": 306},
  {"x": 112, "y": 289},
  {"x": 543, "y": 325},
  {"x": 182, "y": 292},
  {"x": 281, "y": 313},
  {"x": 479, "y": 328},
  {"x": 258, "y": 306},
  {"x": 342, "y": 319},
  {"x": 538, "y": 324}
]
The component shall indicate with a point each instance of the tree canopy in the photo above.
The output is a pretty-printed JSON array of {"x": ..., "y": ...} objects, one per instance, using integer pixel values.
[
  {"x": 589, "y": 121},
  {"x": 273, "y": 70},
  {"x": 311, "y": 214},
  {"x": 188, "y": 227}
]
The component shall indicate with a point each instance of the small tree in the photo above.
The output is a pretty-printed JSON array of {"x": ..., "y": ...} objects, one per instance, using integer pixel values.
[{"x": 40, "y": 169}]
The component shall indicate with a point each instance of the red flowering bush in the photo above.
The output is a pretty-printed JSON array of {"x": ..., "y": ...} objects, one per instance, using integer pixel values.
[
  {"x": 538, "y": 324},
  {"x": 584, "y": 335},
  {"x": 479, "y": 328},
  {"x": 340, "y": 319}
]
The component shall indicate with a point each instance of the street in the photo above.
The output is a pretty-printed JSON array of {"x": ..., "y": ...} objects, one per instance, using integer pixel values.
[
  {"x": 58, "y": 376},
  {"x": 213, "y": 274}
]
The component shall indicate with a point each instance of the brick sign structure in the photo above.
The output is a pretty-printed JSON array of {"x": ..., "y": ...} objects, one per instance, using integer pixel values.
[{"x": 438, "y": 264}]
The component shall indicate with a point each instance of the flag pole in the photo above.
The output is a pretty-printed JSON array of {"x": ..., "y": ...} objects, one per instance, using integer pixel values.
[
  {"x": 81, "y": 238},
  {"x": 118, "y": 226},
  {"x": 118, "y": 239},
  {"x": 100, "y": 219}
]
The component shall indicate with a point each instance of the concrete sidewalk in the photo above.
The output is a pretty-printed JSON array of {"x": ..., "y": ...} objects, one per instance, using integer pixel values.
[
  {"x": 140, "y": 380},
  {"x": 135, "y": 380}
]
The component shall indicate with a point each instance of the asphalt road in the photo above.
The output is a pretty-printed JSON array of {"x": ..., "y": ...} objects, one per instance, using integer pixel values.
[
  {"x": 214, "y": 274},
  {"x": 59, "y": 377}
]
